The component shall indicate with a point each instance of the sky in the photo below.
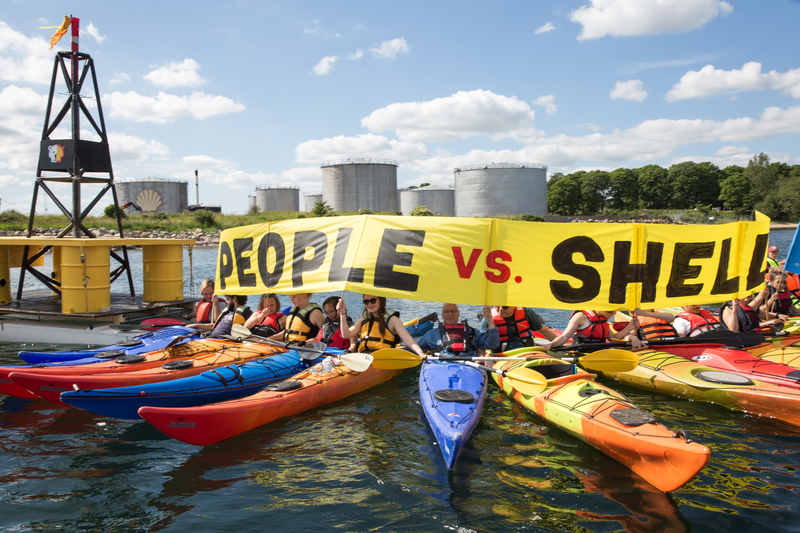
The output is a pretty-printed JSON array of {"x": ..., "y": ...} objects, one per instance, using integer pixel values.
[{"x": 259, "y": 93}]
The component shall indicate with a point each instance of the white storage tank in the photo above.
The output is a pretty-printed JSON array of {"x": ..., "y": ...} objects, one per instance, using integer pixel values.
[
  {"x": 501, "y": 189},
  {"x": 440, "y": 200},
  {"x": 153, "y": 195},
  {"x": 251, "y": 202},
  {"x": 277, "y": 198},
  {"x": 355, "y": 184},
  {"x": 310, "y": 201}
]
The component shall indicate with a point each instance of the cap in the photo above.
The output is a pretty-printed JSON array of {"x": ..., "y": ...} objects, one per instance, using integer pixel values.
[{"x": 773, "y": 248}]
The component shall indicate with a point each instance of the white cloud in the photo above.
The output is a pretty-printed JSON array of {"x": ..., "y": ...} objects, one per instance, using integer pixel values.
[
  {"x": 119, "y": 77},
  {"x": 364, "y": 145},
  {"x": 24, "y": 59},
  {"x": 130, "y": 148},
  {"x": 175, "y": 74},
  {"x": 459, "y": 116},
  {"x": 629, "y": 90},
  {"x": 94, "y": 32},
  {"x": 390, "y": 49},
  {"x": 358, "y": 54},
  {"x": 544, "y": 29},
  {"x": 709, "y": 81},
  {"x": 733, "y": 150},
  {"x": 325, "y": 65},
  {"x": 624, "y": 18},
  {"x": 21, "y": 113},
  {"x": 207, "y": 161},
  {"x": 7, "y": 180},
  {"x": 320, "y": 29},
  {"x": 166, "y": 108},
  {"x": 549, "y": 103}
]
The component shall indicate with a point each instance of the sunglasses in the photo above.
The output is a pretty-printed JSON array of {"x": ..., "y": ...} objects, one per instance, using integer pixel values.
[{"x": 369, "y": 301}]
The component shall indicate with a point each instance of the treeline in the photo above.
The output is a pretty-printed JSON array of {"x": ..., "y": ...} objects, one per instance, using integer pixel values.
[{"x": 772, "y": 188}]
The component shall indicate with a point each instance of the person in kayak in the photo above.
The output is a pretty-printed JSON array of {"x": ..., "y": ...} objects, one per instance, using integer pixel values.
[
  {"x": 452, "y": 338},
  {"x": 377, "y": 328},
  {"x": 694, "y": 320},
  {"x": 208, "y": 309},
  {"x": 304, "y": 322},
  {"x": 742, "y": 314},
  {"x": 330, "y": 334},
  {"x": 515, "y": 325},
  {"x": 592, "y": 326},
  {"x": 654, "y": 325},
  {"x": 772, "y": 257},
  {"x": 237, "y": 312},
  {"x": 268, "y": 320},
  {"x": 779, "y": 305}
]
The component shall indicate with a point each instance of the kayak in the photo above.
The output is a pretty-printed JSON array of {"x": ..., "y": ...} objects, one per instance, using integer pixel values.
[
  {"x": 218, "y": 385},
  {"x": 208, "y": 424},
  {"x": 782, "y": 351},
  {"x": 222, "y": 353},
  {"x": 141, "y": 344},
  {"x": 608, "y": 421},
  {"x": 667, "y": 373},
  {"x": 736, "y": 361},
  {"x": 452, "y": 397}
]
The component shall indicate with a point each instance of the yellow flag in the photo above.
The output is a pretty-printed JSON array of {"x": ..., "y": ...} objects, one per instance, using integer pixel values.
[{"x": 59, "y": 32}]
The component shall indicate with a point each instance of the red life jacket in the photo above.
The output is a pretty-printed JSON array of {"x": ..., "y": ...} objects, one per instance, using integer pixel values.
[
  {"x": 597, "y": 329},
  {"x": 334, "y": 337},
  {"x": 270, "y": 325},
  {"x": 456, "y": 338},
  {"x": 204, "y": 308},
  {"x": 655, "y": 328},
  {"x": 516, "y": 325},
  {"x": 747, "y": 316},
  {"x": 705, "y": 321},
  {"x": 784, "y": 301}
]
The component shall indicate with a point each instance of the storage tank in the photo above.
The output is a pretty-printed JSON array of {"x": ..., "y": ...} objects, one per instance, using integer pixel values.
[
  {"x": 277, "y": 198},
  {"x": 354, "y": 184},
  {"x": 251, "y": 202},
  {"x": 440, "y": 200},
  {"x": 310, "y": 200},
  {"x": 153, "y": 195},
  {"x": 501, "y": 189}
]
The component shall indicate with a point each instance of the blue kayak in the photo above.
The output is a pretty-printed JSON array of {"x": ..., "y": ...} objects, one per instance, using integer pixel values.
[
  {"x": 218, "y": 385},
  {"x": 148, "y": 342},
  {"x": 452, "y": 397}
]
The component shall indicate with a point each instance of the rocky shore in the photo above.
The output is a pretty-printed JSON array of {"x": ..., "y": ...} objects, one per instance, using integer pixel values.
[{"x": 199, "y": 235}]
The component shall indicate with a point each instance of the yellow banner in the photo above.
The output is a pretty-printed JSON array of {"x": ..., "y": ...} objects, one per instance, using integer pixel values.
[{"x": 498, "y": 262}]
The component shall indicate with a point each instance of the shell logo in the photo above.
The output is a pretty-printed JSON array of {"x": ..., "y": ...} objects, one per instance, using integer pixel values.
[
  {"x": 55, "y": 152},
  {"x": 149, "y": 200}
]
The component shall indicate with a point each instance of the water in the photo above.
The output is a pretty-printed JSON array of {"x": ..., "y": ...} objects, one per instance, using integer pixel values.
[{"x": 370, "y": 463}]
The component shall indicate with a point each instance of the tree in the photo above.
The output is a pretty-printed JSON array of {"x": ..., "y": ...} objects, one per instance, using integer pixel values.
[
  {"x": 322, "y": 209},
  {"x": 736, "y": 191},
  {"x": 695, "y": 183},
  {"x": 624, "y": 189},
  {"x": 426, "y": 184},
  {"x": 108, "y": 212},
  {"x": 655, "y": 187},
  {"x": 564, "y": 197},
  {"x": 595, "y": 186},
  {"x": 421, "y": 211}
]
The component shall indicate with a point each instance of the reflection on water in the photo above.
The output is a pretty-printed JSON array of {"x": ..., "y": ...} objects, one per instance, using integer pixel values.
[{"x": 370, "y": 463}]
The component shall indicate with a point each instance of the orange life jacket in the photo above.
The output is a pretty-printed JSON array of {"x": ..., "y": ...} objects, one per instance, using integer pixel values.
[
  {"x": 655, "y": 328},
  {"x": 597, "y": 329},
  {"x": 705, "y": 321},
  {"x": 514, "y": 325}
]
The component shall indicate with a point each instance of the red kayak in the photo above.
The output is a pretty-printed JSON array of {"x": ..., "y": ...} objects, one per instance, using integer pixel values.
[
  {"x": 207, "y": 424},
  {"x": 736, "y": 361},
  {"x": 50, "y": 386}
]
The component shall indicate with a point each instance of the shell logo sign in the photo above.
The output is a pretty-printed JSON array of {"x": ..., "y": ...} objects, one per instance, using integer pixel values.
[
  {"x": 149, "y": 200},
  {"x": 55, "y": 152}
]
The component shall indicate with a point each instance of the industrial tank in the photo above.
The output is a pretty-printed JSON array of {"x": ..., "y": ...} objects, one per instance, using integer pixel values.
[
  {"x": 355, "y": 184},
  {"x": 501, "y": 189},
  {"x": 251, "y": 202},
  {"x": 310, "y": 201},
  {"x": 440, "y": 200},
  {"x": 277, "y": 198},
  {"x": 153, "y": 195}
]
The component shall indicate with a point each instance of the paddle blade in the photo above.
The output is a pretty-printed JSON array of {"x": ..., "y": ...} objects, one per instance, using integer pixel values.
[
  {"x": 357, "y": 362},
  {"x": 394, "y": 359},
  {"x": 610, "y": 360},
  {"x": 238, "y": 330},
  {"x": 527, "y": 381}
]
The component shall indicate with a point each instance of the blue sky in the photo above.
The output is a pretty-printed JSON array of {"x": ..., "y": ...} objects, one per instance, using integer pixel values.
[{"x": 260, "y": 93}]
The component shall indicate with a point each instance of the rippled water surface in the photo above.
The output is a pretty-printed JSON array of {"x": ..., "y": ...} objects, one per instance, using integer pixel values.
[{"x": 370, "y": 463}]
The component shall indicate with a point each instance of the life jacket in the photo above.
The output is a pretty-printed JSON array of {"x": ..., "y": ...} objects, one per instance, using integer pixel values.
[
  {"x": 299, "y": 327},
  {"x": 793, "y": 286},
  {"x": 654, "y": 328},
  {"x": 332, "y": 336},
  {"x": 513, "y": 326},
  {"x": 705, "y": 321},
  {"x": 784, "y": 301},
  {"x": 370, "y": 337},
  {"x": 269, "y": 326},
  {"x": 457, "y": 338},
  {"x": 597, "y": 329},
  {"x": 747, "y": 316},
  {"x": 228, "y": 318},
  {"x": 772, "y": 262},
  {"x": 204, "y": 308}
]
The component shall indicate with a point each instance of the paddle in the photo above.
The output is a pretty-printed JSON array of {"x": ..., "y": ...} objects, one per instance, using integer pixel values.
[
  {"x": 528, "y": 379},
  {"x": 728, "y": 338},
  {"x": 357, "y": 362},
  {"x": 610, "y": 360}
]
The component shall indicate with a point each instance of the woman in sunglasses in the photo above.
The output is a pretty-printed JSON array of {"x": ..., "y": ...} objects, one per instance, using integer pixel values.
[{"x": 379, "y": 327}]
